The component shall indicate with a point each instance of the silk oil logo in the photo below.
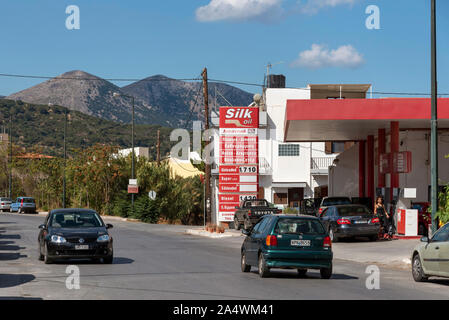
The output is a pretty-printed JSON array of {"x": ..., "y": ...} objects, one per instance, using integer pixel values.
[{"x": 241, "y": 118}]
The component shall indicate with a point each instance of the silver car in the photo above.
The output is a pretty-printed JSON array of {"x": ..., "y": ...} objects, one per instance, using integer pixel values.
[
  {"x": 431, "y": 256},
  {"x": 5, "y": 204}
]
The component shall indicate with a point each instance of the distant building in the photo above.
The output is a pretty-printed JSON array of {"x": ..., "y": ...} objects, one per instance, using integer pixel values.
[
  {"x": 138, "y": 152},
  {"x": 184, "y": 168}
]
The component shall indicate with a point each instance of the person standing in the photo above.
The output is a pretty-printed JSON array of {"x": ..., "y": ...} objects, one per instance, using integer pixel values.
[{"x": 382, "y": 213}]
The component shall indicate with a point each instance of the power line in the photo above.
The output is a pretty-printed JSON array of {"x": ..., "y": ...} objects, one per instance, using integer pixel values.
[{"x": 212, "y": 80}]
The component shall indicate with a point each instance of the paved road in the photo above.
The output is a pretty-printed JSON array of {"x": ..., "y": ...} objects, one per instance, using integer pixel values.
[{"x": 162, "y": 262}]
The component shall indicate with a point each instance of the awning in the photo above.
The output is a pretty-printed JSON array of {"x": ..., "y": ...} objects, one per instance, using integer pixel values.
[
  {"x": 355, "y": 119},
  {"x": 288, "y": 185}
]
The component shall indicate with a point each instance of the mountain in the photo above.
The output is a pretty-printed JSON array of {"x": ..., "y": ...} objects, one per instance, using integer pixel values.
[
  {"x": 158, "y": 99},
  {"x": 41, "y": 127},
  {"x": 89, "y": 94},
  {"x": 184, "y": 100}
]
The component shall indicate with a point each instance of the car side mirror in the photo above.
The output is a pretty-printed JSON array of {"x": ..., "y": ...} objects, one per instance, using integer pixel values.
[
  {"x": 246, "y": 232},
  {"x": 42, "y": 226},
  {"x": 425, "y": 239},
  {"x": 109, "y": 226}
]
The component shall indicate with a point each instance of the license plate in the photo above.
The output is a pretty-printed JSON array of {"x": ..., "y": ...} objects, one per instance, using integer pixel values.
[
  {"x": 360, "y": 221},
  {"x": 300, "y": 243},
  {"x": 81, "y": 247}
]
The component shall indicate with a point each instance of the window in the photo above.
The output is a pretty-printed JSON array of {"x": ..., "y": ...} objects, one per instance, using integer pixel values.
[
  {"x": 338, "y": 147},
  {"x": 280, "y": 198},
  {"x": 442, "y": 234},
  {"x": 288, "y": 150},
  {"x": 299, "y": 226}
]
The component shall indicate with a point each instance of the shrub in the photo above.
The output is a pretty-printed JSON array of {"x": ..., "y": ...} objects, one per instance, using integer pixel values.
[{"x": 146, "y": 209}]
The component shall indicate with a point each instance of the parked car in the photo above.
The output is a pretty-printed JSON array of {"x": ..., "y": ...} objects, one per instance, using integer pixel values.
[
  {"x": 332, "y": 201},
  {"x": 288, "y": 242},
  {"x": 74, "y": 233},
  {"x": 250, "y": 211},
  {"x": 431, "y": 256},
  {"x": 23, "y": 205},
  {"x": 343, "y": 221},
  {"x": 424, "y": 217},
  {"x": 5, "y": 204},
  {"x": 309, "y": 206}
]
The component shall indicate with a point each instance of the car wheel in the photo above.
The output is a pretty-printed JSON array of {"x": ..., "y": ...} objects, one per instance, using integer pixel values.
[
  {"x": 264, "y": 271},
  {"x": 302, "y": 272},
  {"x": 417, "y": 270},
  {"x": 374, "y": 237},
  {"x": 41, "y": 256},
  {"x": 247, "y": 224},
  {"x": 108, "y": 259},
  {"x": 245, "y": 267},
  {"x": 237, "y": 225},
  {"x": 326, "y": 273},
  {"x": 332, "y": 235},
  {"x": 47, "y": 259}
]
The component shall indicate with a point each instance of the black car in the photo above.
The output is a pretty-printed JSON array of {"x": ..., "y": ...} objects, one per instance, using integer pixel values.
[
  {"x": 346, "y": 221},
  {"x": 250, "y": 212},
  {"x": 74, "y": 233}
]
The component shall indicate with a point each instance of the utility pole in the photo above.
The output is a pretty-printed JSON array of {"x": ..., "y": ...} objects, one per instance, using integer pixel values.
[
  {"x": 158, "y": 148},
  {"x": 10, "y": 154},
  {"x": 206, "y": 127},
  {"x": 65, "y": 161},
  {"x": 434, "y": 119}
]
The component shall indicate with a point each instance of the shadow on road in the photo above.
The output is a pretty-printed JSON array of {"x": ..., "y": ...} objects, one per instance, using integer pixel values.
[
  {"x": 281, "y": 274},
  {"x": 7, "y": 244},
  {"x": 12, "y": 280},
  {"x": 19, "y": 298},
  {"x": 117, "y": 260},
  {"x": 444, "y": 282}
]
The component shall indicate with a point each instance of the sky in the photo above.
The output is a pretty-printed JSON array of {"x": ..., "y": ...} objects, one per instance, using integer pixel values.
[{"x": 309, "y": 41}]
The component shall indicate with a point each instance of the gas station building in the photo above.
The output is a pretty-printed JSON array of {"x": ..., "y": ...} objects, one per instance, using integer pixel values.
[{"x": 384, "y": 145}]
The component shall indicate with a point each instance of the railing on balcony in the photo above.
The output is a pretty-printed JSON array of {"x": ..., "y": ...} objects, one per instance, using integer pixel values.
[
  {"x": 320, "y": 165},
  {"x": 264, "y": 166}
]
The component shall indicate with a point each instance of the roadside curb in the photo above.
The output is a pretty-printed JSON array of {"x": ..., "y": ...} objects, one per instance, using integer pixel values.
[{"x": 204, "y": 233}]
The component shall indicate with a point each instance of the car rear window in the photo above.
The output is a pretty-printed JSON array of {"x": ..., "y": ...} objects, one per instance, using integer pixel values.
[
  {"x": 5, "y": 199},
  {"x": 299, "y": 226},
  {"x": 256, "y": 203},
  {"x": 336, "y": 201},
  {"x": 28, "y": 200},
  {"x": 353, "y": 211}
]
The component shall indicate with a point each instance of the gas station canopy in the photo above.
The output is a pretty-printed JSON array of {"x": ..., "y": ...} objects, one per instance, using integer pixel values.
[{"x": 355, "y": 119}]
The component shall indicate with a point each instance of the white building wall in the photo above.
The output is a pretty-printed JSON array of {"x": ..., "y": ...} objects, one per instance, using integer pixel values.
[{"x": 343, "y": 178}]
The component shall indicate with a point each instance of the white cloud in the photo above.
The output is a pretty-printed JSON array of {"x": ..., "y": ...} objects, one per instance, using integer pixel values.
[
  {"x": 239, "y": 10},
  {"x": 265, "y": 10},
  {"x": 313, "y": 6},
  {"x": 319, "y": 56}
]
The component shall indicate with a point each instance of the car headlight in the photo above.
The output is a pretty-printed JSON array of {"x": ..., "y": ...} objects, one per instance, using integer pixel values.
[
  {"x": 58, "y": 239},
  {"x": 103, "y": 238}
]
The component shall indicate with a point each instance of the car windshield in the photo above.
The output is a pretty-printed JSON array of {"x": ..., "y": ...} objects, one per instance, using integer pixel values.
[
  {"x": 299, "y": 226},
  {"x": 353, "y": 211},
  {"x": 76, "y": 220},
  {"x": 336, "y": 201}
]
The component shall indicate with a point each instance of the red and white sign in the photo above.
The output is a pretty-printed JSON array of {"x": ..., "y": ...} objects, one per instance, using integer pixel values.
[
  {"x": 239, "y": 117},
  {"x": 402, "y": 162},
  {"x": 238, "y": 158}
]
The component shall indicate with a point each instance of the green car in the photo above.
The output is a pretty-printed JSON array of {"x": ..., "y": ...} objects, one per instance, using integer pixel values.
[
  {"x": 431, "y": 256},
  {"x": 287, "y": 242}
]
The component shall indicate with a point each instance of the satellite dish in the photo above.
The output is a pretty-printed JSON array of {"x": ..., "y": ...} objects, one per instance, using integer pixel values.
[{"x": 257, "y": 98}]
